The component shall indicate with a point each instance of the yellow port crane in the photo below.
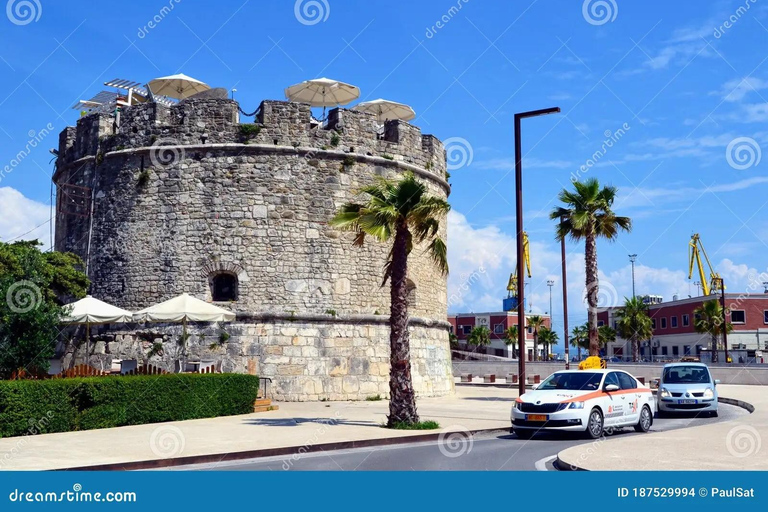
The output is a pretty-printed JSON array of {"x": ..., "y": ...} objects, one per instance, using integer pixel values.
[
  {"x": 512, "y": 285},
  {"x": 697, "y": 255}
]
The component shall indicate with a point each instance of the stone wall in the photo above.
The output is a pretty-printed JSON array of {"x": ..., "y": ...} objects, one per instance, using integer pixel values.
[{"x": 178, "y": 195}]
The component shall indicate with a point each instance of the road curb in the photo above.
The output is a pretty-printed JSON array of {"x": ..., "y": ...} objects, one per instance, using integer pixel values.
[
  {"x": 273, "y": 452},
  {"x": 561, "y": 465}
]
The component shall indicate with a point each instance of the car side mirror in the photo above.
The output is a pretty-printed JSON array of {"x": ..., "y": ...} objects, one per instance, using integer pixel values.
[
  {"x": 534, "y": 386},
  {"x": 717, "y": 381},
  {"x": 609, "y": 388}
]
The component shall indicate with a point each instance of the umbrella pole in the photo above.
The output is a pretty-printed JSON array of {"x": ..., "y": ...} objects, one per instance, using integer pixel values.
[{"x": 87, "y": 341}]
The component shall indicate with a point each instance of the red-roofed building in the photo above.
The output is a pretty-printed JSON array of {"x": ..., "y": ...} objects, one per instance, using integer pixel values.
[
  {"x": 463, "y": 323},
  {"x": 675, "y": 336}
]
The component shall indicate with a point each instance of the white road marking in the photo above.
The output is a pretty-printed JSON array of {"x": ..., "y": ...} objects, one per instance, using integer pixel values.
[{"x": 541, "y": 464}]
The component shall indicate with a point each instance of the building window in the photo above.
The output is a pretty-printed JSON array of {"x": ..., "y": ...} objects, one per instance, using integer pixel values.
[
  {"x": 686, "y": 320},
  {"x": 530, "y": 329},
  {"x": 600, "y": 323},
  {"x": 653, "y": 323},
  {"x": 498, "y": 329},
  {"x": 673, "y": 321},
  {"x": 663, "y": 322},
  {"x": 686, "y": 350},
  {"x": 224, "y": 287},
  {"x": 664, "y": 351},
  {"x": 675, "y": 350},
  {"x": 765, "y": 316},
  {"x": 738, "y": 316},
  {"x": 466, "y": 329},
  {"x": 450, "y": 329}
]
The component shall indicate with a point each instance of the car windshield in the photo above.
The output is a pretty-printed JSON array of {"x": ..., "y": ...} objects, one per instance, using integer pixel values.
[
  {"x": 686, "y": 375},
  {"x": 572, "y": 381}
]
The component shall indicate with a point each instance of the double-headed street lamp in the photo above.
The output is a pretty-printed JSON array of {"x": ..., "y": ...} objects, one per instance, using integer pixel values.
[{"x": 519, "y": 225}]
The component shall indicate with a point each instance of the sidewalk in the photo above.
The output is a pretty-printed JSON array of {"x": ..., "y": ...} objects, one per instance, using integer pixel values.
[
  {"x": 730, "y": 446},
  {"x": 294, "y": 425}
]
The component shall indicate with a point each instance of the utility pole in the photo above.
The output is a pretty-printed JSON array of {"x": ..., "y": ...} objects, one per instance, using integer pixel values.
[
  {"x": 725, "y": 317},
  {"x": 698, "y": 288},
  {"x": 632, "y": 259},
  {"x": 519, "y": 226},
  {"x": 565, "y": 304}
]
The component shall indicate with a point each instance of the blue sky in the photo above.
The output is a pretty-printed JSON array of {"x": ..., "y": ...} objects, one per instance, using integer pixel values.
[{"x": 681, "y": 94}]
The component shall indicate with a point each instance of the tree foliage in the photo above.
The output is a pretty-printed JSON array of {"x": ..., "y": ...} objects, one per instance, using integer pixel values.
[{"x": 33, "y": 287}]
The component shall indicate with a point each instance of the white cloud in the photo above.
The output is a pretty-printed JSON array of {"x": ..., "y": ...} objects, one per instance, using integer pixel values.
[
  {"x": 19, "y": 217},
  {"x": 646, "y": 196},
  {"x": 736, "y": 89},
  {"x": 505, "y": 164}
]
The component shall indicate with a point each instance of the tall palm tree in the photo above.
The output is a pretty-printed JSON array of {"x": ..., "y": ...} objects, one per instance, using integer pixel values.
[
  {"x": 580, "y": 338},
  {"x": 536, "y": 322},
  {"x": 708, "y": 319},
  {"x": 510, "y": 338},
  {"x": 634, "y": 324},
  {"x": 401, "y": 212},
  {"x": 480, "y": 336},
  {"x": 587, "y": 215},
  {"x": 548, "y": 337}
]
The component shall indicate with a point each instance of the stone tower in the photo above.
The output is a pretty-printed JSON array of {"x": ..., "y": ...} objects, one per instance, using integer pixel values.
[{"x": 187, "y": 199}]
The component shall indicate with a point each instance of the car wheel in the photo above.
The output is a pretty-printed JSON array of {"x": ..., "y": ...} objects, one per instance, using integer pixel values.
[
  {"x": 595, "y": 424},
  {"x": 713, "y": 414},
  {"x": 525, "y": 433},
  {"x": 645, "y": 421}
]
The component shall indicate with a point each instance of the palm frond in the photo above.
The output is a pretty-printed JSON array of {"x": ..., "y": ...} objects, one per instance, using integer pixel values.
[{"x": 439, "y": 253}]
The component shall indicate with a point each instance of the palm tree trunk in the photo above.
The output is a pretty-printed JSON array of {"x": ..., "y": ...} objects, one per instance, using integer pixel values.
[
  {"x": 635, "y": 350},
  {"x": 590, "y": 254},
  {"x": 715, "y": 356},
  {"x": 535, "y": 346},
  {"x": 402, "y": 402}
]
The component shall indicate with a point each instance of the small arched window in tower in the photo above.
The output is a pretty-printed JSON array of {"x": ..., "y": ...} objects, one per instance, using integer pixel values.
[
  {"x": 410, "y": 288},
  {"x": 224, "y": 287}
]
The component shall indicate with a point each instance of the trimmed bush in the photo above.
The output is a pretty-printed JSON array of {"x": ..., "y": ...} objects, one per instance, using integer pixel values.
[{"x": 62, "y": 405}]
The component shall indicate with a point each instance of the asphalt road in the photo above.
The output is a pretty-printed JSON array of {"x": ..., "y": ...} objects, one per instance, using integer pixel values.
[{"x": 486, "y": 452}]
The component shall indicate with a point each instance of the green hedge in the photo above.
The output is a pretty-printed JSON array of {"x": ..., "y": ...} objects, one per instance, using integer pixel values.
[{"x": 63, "y": 405}]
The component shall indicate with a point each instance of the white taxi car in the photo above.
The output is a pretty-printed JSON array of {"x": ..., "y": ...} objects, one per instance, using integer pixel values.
[{"x": 584, "y": 400}]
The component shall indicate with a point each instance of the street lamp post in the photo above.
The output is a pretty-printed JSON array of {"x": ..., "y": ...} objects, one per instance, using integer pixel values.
[
  {"x": 550, "y": 283},
  {"x": 725, "y": 317},
  {"x": 519, "y": 225},
  {"x": 565, "y": 305},
  {"x": 632, "y": 259}
]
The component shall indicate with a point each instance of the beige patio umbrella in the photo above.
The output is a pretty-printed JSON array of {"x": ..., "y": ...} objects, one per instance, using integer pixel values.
[
  {"x": 184, "y": 308},
  {"x": 177, "y": 86},
  {"x": 385, "y": 110},
  {"x": 89, "y": 311},
  {"x": 322, "y": 92}
]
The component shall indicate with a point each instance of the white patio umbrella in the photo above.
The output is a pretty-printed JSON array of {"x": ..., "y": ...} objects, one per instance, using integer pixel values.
[
  {"x": 322, "y": 92},
  {"x": 89, "y": 311},
  {"x": 386, "y": 110},
  {"x": 177, "y": 86},
  {"x": 184, "y": 308}
]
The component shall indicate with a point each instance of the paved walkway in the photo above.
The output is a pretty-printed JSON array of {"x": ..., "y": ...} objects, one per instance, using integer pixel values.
[
  {"x": 733, "y": 445},
  {"x": 295, "y": 424}
]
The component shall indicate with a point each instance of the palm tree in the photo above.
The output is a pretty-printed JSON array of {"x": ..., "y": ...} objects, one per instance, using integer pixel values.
[
  {"x": 605, "y": 335},
  {"x": 708, "y": 319},
  {"x": 510, "y": 338},
  {"x": 480, "y": 336},
  {"x": 634, "y": 324},
  {"x": 587, "y": 215},
  {"x": 536, "y": 322},
  {"x": 580, "y": 338},
  {"x": 401, "y": 212},
  {"x": 548, "y": 337}
]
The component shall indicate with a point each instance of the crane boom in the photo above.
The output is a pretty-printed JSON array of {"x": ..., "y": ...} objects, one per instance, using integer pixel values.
[
  {"x": 697, "y": 255},
  {"x": 512, "y": 284}
]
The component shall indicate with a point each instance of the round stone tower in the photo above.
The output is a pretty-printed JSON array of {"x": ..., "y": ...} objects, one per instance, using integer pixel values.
[{"x": 164, "y": 200}]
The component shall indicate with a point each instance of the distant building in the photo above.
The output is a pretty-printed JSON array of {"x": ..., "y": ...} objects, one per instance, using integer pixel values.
[
  {"x": 675, "y": 336},
  {"x": 463, "y": 323}
]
